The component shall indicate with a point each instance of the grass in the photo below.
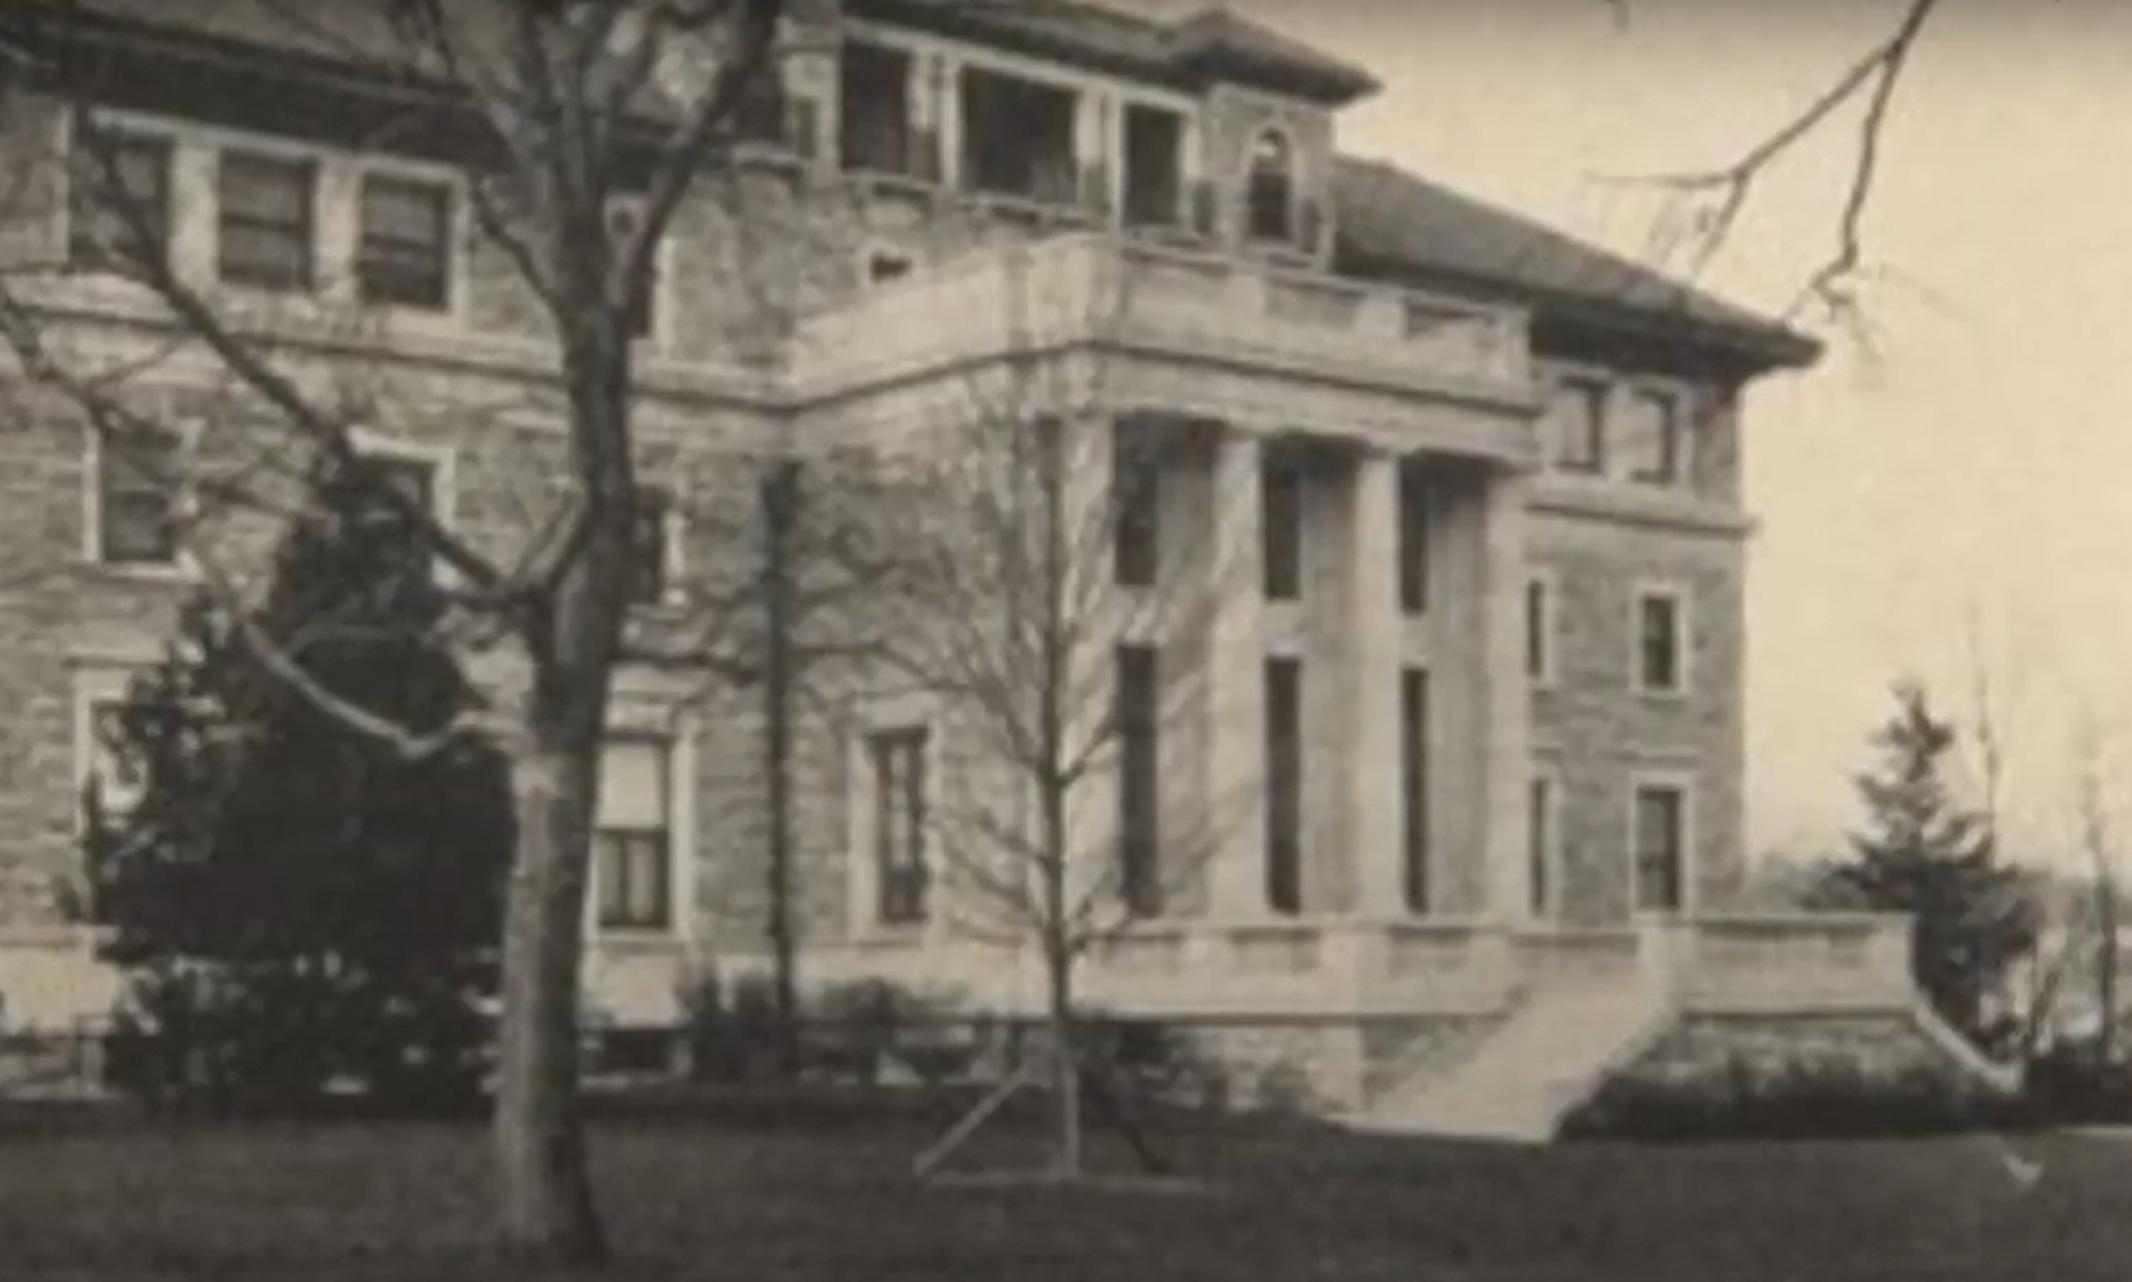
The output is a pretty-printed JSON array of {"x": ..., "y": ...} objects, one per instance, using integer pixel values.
[{"x": 817, "y": 1191}]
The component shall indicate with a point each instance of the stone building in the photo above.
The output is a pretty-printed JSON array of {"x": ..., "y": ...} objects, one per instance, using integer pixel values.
[{"x": 1482, "y": 682}]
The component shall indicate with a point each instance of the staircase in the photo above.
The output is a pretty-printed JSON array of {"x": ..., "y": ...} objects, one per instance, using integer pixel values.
[{"x": 1556, "y": 1046}]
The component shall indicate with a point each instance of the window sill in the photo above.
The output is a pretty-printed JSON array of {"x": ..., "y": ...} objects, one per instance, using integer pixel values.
[
  {"x": 888, "y": 182},
  {"x": 1033, "y": 209},
  {"x": 638, "y": 939},
  {"x": 175, "y": 573},
  {"x": 899, "y": 935}
]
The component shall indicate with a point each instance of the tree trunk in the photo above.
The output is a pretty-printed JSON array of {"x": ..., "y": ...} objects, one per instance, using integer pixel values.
[
  {"x": 546, "y": 1205},
  {"x": 546, "y": 1208},
  {"x": 1066, "y": 1080},
  {"x": 2106, "y": 966},
  {"x": 780, "y": 496}
]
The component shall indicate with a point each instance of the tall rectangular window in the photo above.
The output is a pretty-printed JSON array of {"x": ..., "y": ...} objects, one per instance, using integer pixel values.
[
  {"x": 403, "y": 254},
  {"x": 1660, "y": 838},
  {"x": 1414, "y": 784},
  {"x": 1650, "y": 437},
  {"x": 1139, "y": 696},
  {"x": 877, "y": 134},
  {"x": 138, "y": 489},
  {"x": 898, "y": 760},
  {"x": 1658, "y": 643},
  {"x": 632, "y": 847},
  {"x": 1576, "y": 413},
  {"x": 649, "y": 550},
  {"x": 1284, "y": 785},
  {"x": 1154, "y": 172},
  {"x": 1540, "y": 823},
  {"x": 1413, "y": 537},
  {"x": 1538, "y": 629},
  {"x": 1136, "y": 497},
  {"x": 1281, "y": 525},
  {"x": 622, "y": 217},
  {"x": 266, "y": 212},
  {"x": 118, "y": 200}
]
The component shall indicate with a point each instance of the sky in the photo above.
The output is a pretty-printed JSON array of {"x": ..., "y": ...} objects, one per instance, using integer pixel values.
[{"x": 1946, "y": 503}]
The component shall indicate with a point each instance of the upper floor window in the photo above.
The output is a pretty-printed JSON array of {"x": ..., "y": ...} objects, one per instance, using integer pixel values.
[
  {"x": 1270, "y": 190},
  {"x": 1576, "y": 412},
  {"x": 623, "y": 214},
  {"x": 1281, "y": 522},
  {"x": 1650, "y": 436},
  {"x": 1539, "y": 630},
  {"x": 139, "y": 485},
  {"x": 118, "y": 198},
  {"x": 876, "y": 129},
  {"x": 1413, "y": 537},
  {"x": 1139, "y": 720},
  {"x": 651, "y": 545},
  {"x": 1154, "y": 175},
  {"x": 266, "y": 213},
  {"x": 403, "y": 254},
  {"x": 1136, "y": 496},
  {"x": 1018, "y": 138},
  {"x": 632, "y": 847},
  {"x": 897, "y": 757},
  {"x": 1661, "y": 648}
]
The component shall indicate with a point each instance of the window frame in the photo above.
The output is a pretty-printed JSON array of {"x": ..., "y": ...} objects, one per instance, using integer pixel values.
[
  {"x": 1672, "y": 438},
  {"x": 1139, "y": 730},
  {"x": 453, "y": 228},
  {"x": 1415, "y": 501},
  {"x": 1287, "y": 790},
  {"x": 1283, "y": 469},
  {"x": 442, "y": 462},
  {"x": 313, "y": 165},
  {"x": 1595, "y": 391},
  {"x": 1542, "y": 631},
  {"x": 1681, "y": 641},
  {"x": 666, "y": 921},
  {"x": 95, "y": 546},
  {"x": 1543, "y": 843},
  {"x": 96, "y": 685},
  {"x": 129, "y": 127},
  {"x": 1256, "y": 200},
  {"x": 1417, "y": 816},
  {"x": 658, "y": 319},
  {"x": 1681, "y": 787},
  {"x": 1136, "y": 462},
  {"x": 907, "y": 813}
]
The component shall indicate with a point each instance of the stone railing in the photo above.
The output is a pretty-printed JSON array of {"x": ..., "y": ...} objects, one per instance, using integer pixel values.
[
  {"x": 1088, "y": 287},
  {"x": 1788, "y": 962},
  {"x": 1333, "y": 965}
]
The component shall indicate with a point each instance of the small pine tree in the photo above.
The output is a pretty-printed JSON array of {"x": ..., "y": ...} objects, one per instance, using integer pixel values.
[
  {"x": 293, "y": 902},
  {"x": 1928, "y": 856}
]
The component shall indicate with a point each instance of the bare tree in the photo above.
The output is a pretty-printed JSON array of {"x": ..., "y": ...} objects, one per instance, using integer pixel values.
[
  {"x": 1054, "y": 602},
  {"x": 1713, "y": 200},
  {"x": 573, "y": 109},
  {"x": 2103, "y": 902}
]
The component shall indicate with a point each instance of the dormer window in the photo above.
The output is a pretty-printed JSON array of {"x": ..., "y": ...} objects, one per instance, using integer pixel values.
[{"x": 1270, "y": 191}]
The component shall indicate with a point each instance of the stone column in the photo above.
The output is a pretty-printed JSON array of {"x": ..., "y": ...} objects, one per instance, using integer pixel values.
[
  {"x": 1507, "y": 714},
  {"x": 1371, "y": 686},
  {"x": 946, "y": 74},
  {"x": 1235, "y": 677}
]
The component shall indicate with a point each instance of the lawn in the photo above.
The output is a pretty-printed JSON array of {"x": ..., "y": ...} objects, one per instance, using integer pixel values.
[{"x": 730, "y": 1190}]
